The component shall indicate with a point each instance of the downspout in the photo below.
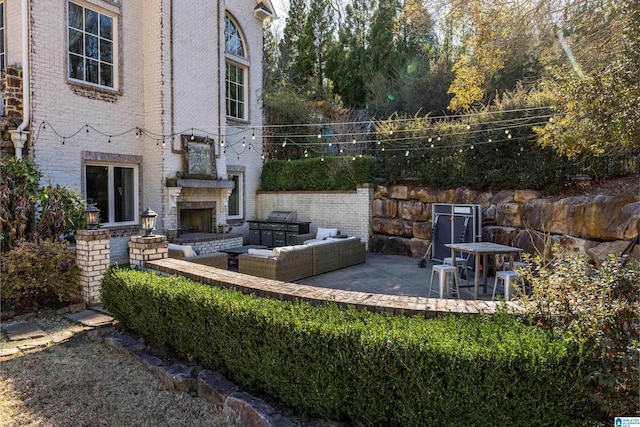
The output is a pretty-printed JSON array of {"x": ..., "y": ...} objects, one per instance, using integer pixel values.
[{"x": 19, "y": 136}]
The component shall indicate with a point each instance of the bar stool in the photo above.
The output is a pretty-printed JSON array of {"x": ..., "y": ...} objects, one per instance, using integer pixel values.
[
  {"x": 508, "y": 277},
  {"x": 460, "y": 262},
  {"x": 516, "y": 265},
  {"x": 444, "y": 271}
]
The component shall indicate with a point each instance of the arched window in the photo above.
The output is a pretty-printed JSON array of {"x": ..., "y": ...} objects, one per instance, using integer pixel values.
[{"x": 236, "y": 71}]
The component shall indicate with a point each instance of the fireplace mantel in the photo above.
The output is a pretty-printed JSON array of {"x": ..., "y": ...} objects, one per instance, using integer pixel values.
[{"x": 204, "y": 183}]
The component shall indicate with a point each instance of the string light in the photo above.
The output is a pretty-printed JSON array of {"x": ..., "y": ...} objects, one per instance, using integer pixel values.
[
  {"x": 192, "y": 135},
  {"x": 253, "y": 135}
]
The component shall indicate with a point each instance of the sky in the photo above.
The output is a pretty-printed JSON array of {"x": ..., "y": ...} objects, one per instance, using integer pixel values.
[{"x": 281, "y": 6}]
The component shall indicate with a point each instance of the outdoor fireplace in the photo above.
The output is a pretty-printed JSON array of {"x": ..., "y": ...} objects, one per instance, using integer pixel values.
[{"x": 196, "y": 217}]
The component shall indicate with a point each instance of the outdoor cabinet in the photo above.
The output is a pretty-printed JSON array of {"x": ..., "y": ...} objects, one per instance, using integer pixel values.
[{"x": 275, "y": 233}]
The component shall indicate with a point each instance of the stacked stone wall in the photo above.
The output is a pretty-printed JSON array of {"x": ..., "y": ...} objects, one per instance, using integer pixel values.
[{"x": 592, "y": 225}]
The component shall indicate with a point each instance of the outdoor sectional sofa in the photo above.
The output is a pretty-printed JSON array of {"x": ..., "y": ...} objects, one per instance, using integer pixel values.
[
  {"x": 291, "y": 263},
  {"x": 216, "y": 259}
]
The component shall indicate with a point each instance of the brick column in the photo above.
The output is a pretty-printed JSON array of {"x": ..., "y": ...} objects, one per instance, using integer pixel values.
[
  {"x": 143, "y": 249},
  {"x": 93, "y": 255}
]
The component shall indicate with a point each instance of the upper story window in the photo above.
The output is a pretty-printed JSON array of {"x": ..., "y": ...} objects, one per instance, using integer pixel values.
[
  {"x": 92, "y": 47},
  {"x": 232, "y": 39},
  {"x": 3, "y": 50},
  {"x": 236, "y": 71}
]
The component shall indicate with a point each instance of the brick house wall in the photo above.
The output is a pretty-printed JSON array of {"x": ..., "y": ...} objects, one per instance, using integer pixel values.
[{"x": 158, "y": 92}]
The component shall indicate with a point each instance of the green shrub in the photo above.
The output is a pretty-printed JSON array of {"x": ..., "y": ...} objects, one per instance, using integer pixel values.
[
  {"x": 330, "y": 173},
  {"x": 370, "y": 369},
  {"x": 18, "y": 192},
  {"x": 39, "y": 275},
  {"x": 600, "y": 306}
]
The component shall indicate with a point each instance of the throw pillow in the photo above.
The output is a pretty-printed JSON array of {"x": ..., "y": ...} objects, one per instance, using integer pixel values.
[{"x": 323, "y": 233}]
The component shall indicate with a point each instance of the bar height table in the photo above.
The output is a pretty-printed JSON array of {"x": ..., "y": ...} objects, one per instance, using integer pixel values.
[{"x": 482, "y": 250}]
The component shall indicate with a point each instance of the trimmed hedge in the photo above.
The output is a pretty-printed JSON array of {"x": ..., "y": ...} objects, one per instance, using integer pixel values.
[
  {"x": 368, "y": 368},
  {"x": 332, "y": 173}
]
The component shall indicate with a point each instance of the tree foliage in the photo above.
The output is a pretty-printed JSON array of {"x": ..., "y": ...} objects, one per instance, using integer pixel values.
[
  {"x": 598, "y": 105},
  {"x": 406, "y": 58}
]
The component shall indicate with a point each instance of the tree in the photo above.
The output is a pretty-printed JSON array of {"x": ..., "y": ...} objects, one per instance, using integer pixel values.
[
  {"x": 597, "y": 108},
  {"x": 347, "y": 63},
  {"x": 290, "y": 43}
]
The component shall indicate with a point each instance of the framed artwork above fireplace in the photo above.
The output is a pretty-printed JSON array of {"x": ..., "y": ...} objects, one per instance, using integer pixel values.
[{"x": 198, "y": 158}]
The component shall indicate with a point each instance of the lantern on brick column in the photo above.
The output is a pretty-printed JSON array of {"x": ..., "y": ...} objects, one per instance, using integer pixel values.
[
  {"x": 92, "y": 216},
  {"x": 148, "y": 221}
]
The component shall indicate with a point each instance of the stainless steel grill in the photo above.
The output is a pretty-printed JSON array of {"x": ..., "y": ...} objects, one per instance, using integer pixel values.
[{"x": 285, "y": 216}]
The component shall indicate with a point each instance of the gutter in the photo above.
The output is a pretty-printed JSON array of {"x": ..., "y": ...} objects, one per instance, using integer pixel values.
[{"x": 19, "y": 136}]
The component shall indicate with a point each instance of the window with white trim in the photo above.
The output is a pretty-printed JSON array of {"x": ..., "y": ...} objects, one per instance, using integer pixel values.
[
  {"x": 92, "y": 47},
  {"x": 236, "y": 199},
  {"x": 236, "y": 71},
  {"x": 113, "y": 188},
  {"x": 3, "y": 42}
]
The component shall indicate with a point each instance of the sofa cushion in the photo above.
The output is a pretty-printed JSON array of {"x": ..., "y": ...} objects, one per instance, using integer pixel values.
[
  {"x": 312, "y": 242},
  {"x": 186, "y": 251},
  {"x": 261, "y": 252},
  {"x": 282, "y": 249},
  {"x": 323, "y": 233}
]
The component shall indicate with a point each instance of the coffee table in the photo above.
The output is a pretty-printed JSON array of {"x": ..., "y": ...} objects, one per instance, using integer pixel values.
[{"x": 235, "y": 251}]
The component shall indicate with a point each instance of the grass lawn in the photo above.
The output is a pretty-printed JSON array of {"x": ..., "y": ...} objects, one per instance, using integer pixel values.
[{"x": 82, "y": 382}]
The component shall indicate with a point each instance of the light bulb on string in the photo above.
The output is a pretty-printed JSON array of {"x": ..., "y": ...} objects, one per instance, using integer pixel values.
[
  {"x": 509, "y": 136},
  {"x": 472, "y": 146},
  {"x": 460, "y": 150},
  {"x": 164, "y": 143},
  {"x": 353, "y": 158},
  {"x": 391, "y": 132},
  {"x": 430, "y": 139},
  {"x": 44, "y": 126},
  {"x": 109, "y": 139},
  {"x": 379, "y": 142},
  {"x": 262, "y": 157},
  {"x": 382, "y": 149},
  {"x": 439, "y": 138},
  {"x": 284, "y": 144},
  {"x": 322, "y": 159},
  {"x": 341, "y": 151},
  {"x": 63, "y": 138},
  {"x": 406, "y": 154},
  {"x": 253, "y": 135},
  {"x": 468, "y": 126},
  {"x": 354, "y": 140},
  {"x": 192, "y": 135},
  {"x": 87, "y": 126},
  {"x": 319, "y": 135},
  {"x": 137, "y": 133},
  {"x": 432, "y": 145},
  {"x": 490, "y": 140}
]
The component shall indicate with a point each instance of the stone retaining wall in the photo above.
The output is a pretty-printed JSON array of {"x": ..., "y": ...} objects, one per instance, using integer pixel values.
[{"x": 592, "y": 225}]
